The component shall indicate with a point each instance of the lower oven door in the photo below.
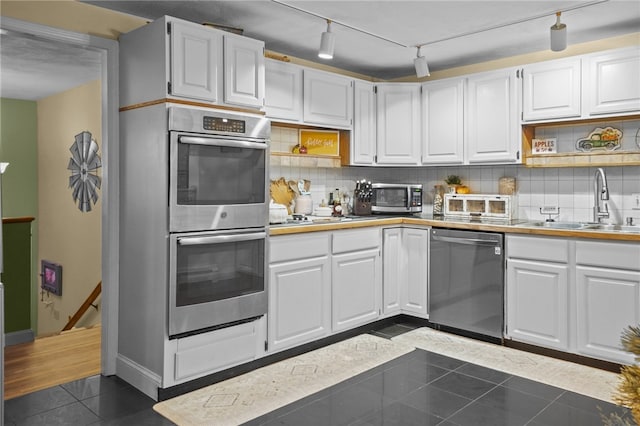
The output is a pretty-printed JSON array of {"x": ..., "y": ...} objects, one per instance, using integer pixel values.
[{"x": 216, "y": 279}]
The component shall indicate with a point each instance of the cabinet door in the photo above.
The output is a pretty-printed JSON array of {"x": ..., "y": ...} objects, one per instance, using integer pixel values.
[
  {"x": 551, "y": 90},
  {"x": 196, "y": 55},
  {"x": 608, "y": 302},
  {"x": 443, "y": 125},
  {"x": 613, "y": 83},
  {"x": 398, "y": 124},
  {"x": 363, "y": 142},
  {"x": 492, "y": 134},
  {"x": 416, "y": 248},
  {"x": 299, "y": 302},
  {"x": 356, "y": 288},
  {"x": 328, "y": 99},
  {"x": 243, "y": 71},
  {"x": 283, "y": 91},
  {"x": 537, "y": 297},
  {"x": 394, "y": 270}
]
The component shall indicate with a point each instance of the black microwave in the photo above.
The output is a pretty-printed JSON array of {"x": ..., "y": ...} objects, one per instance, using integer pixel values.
[{"x": 394, "y": 198}]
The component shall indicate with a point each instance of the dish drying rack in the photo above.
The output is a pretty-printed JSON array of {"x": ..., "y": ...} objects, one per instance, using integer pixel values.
[{"x": 479, "y": 205}]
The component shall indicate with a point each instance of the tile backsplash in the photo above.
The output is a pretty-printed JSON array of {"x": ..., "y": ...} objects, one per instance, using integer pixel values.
[{"x": 571, "y": 189}]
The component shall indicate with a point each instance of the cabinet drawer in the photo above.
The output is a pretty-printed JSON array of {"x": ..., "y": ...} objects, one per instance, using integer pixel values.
[
  {"x": 300, "y": 246},
  {"x": 355, "y": 239},
  {"x": 609, "y": 255},
  {"x": 210, "y": 352},
  {"x": 538, "y": 248}
]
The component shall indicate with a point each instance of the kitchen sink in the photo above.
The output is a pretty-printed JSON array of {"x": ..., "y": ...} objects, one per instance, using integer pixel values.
[
  {"x": 582, "y": 226},
  {"x": 553, "y": 225},
  {"x": 611, "y": 227}
]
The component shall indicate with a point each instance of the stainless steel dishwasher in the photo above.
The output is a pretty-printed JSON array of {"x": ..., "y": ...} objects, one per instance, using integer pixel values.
[{"x": 466, "y": 281}]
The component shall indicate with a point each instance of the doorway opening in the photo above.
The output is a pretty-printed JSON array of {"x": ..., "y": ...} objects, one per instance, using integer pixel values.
[{"x": 82, "y": 240}]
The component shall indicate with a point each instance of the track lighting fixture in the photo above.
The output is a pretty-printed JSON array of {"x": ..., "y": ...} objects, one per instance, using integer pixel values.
[
  {"x": 420, "y": 62},
  {"x": 327, "y": 43},
  {"x": 558, "y": 35}
]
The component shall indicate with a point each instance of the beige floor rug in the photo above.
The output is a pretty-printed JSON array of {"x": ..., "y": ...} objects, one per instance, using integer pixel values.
[
  {"x": 250, "y": 395},
  {"x": 578, "y": 378}
]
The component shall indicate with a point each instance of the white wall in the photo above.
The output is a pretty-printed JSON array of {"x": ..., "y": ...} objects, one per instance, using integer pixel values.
[
  {"x": 569, "y": 188},
  {"x": 66, "y": 235}
]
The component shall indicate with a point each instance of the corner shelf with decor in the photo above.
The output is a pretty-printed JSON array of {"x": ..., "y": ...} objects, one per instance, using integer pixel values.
[
  {"x": 285, "y": 138},
  {"x": 566, "y": 135}
]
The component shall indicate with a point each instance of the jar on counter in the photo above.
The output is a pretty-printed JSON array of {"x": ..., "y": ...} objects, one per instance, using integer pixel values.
[
  {"x": 438, "y": 200},
  {"x": 507, "y": 186}
]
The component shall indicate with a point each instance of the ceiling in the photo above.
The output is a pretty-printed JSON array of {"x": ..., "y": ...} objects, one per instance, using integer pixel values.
[
  {"x": 32, "y": 68},
  {"x": 373, "y": 38},
  {"x": 406, "y": 23}
]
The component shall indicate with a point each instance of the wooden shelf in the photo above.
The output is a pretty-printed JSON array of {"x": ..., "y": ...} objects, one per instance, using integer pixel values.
[
  {"x": 584, "y": 159},
  {"x": 304, "y": 160},
  {"x": 577, "y": 159}
]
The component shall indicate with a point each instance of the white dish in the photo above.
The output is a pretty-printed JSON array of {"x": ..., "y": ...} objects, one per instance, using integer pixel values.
[{"x": 323, "y": 211}]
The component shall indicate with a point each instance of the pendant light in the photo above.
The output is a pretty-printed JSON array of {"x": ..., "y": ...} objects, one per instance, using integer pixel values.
[
  {"x": 420, "y": 62},
  {"x": 327, "y": 43},
  {"x": 558, "y": 35}
]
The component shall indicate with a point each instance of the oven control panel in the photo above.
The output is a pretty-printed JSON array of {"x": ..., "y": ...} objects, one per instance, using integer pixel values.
[{"x": 218, "y": 124}]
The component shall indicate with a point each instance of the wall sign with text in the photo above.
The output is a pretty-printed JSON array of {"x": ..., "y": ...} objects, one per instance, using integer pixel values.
[{"x": 320, "y": 142}]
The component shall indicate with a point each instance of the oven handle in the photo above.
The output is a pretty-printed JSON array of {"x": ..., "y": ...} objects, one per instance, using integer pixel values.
[
  {"x": 219, "y": 239},
  {"x": 222, "y": 142}
]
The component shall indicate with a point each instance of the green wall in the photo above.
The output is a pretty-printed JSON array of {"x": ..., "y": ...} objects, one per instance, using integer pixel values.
[{"x": 19, "y": 147}]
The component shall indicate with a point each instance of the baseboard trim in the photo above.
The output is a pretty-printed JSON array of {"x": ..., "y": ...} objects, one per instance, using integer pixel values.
[
  {"x": 17, "y": 337},
  {"x": 139, "y": 377}
]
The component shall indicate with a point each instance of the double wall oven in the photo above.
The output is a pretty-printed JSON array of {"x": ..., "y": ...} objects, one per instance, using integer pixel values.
[{"x": 218, "y": 212}]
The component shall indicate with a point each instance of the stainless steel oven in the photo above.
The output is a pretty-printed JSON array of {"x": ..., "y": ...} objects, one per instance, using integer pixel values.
[
  {"x": 218, "y": 170},
  {"x": 217, "y": 278}
]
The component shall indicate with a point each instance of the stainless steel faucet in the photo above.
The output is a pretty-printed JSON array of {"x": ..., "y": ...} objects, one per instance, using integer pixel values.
[{"x": 603, "y": 191}]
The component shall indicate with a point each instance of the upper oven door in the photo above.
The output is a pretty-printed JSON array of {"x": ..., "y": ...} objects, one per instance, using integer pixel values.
[{"x": 217, "y": 182}]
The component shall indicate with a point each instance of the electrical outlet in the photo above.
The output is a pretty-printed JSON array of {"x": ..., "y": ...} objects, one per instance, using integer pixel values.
[{"x": 635, "y": 201}]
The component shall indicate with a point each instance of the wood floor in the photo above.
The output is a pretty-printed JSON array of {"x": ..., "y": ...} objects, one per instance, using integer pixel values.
[{"x": 51, "y": 361}]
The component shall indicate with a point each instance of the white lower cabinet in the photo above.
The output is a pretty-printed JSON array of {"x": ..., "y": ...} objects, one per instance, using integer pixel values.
[
  {"x": 394, "y": 269},
  {"x": 414, "y": 296},
  {"x": 299, "y": 290},
  {"x": 573, "y": 295},
  {"x": 608, "y": 297},
  {"x": 537, "y": 303},
  {"x": 202, "y": 354},
  {"x": 356, "y": 278},
  {"x": 537, "y": 291},
  {"x": 405, "y": 271}
]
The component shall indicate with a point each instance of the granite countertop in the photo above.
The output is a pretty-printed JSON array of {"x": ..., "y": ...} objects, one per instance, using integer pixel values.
[{"x": 506, "y": 226}]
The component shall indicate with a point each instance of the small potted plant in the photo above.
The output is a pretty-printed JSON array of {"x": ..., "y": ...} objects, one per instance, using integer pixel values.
[{"x": 453, "y": 181}]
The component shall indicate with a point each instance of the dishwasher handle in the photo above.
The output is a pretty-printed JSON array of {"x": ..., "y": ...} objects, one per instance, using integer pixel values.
[{"x": 467, "y": 241}]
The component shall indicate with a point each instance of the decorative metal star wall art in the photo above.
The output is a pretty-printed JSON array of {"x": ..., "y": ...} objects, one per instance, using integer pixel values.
[{"x": 84, "y": 163}]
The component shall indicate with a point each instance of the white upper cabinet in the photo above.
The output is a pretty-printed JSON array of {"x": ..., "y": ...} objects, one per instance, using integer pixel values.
[
  {"x": 174, "y": 58},
  {"x": 283, "y": 91},
  {"x": 443, "y": 122},
  {"x": 363, "y": 139},
  {"x": 196, "y": 53},
  {"x": 493, "y": 126},
  {"x": 551, "y": 90},
  {"x": 398, "y": 124},
  {"x": 328, "y": 99},
  {"x": 243, "y": 71},
  {"x": 614, "y": 82}
]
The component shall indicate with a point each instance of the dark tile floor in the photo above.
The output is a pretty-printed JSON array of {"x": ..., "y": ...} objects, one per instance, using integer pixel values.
[{"x": 420, "y": 388}]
